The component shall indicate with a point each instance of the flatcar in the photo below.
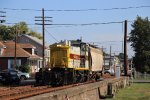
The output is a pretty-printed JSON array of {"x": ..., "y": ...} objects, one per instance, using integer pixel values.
[{"x": 72, "y": 61}]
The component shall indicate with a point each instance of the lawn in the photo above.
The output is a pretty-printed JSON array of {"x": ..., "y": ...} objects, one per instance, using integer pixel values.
[{"x": 137, "y": 91}]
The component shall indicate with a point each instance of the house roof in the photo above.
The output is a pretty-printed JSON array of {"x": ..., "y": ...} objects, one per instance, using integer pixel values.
[
  {"x": 9, "y": 51},
  {"x": 36, "y": 40}
]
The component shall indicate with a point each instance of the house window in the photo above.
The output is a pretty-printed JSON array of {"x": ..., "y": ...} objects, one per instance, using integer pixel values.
[
  {"x": 40, "y": 64},
  {"x": 32, "y": 51},
  {"x": 47, "y": 53},
  {"x": 35, "y": 52},
  {"x": 11, "y": 63}
]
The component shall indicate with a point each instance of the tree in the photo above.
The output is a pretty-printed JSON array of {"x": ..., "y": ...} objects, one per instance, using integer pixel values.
[
  {"x": 24, "y": 68},
  {"x": 9, "y": 32},
  {"x": 21, "y": 27},
  {"x": 140, "y": 42},
  {"x": 35, "y": 34},
  {"x": 121, "y": 55},
  {"x": 6, "y": 33}
]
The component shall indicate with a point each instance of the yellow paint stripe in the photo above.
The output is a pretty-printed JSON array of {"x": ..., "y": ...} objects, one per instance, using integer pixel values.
[{"x": 81, "y": 69}]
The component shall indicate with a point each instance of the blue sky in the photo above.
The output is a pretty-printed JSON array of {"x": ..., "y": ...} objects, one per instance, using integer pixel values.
[{"x": 92, "y": 33}]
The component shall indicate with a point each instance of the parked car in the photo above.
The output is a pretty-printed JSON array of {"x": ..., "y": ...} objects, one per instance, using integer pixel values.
[
  {"x": 21, "y": 75},
  {"x": 109, "y": 71},
  {"x": 8, "y": 77}
]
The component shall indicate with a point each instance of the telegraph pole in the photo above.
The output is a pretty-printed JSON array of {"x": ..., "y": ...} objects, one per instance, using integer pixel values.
[
  {"x": 43, "y": 19},
  {"x": 16, "y": 40},
  {"x": 104, "y": 60},
  {"x": 110, "y": 57},
  {"x": 15, "y": 59},
  {"x": 125, "y": 49},
  {"x": 43, "y": 22},
  {"x": 103, "y": 55}
]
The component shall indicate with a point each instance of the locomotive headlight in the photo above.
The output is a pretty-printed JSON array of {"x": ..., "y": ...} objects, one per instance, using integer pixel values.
[{"x": 49, "y": 69}]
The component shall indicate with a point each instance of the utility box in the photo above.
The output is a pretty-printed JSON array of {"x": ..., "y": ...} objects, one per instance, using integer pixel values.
[{"x": 117, "y": 75}]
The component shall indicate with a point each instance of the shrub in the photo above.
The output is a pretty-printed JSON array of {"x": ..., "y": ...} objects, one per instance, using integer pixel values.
[{"x": 24, "y": 68}]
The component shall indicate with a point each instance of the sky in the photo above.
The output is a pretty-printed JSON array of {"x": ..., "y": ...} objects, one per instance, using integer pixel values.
[{"x": 103, "y": 35}]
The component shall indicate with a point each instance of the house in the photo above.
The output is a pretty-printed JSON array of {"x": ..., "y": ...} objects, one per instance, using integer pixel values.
[
  {"x": 111, "y": 62},
  {"x": 38, "y": 44},
  {"x": 24, "y": 55}
]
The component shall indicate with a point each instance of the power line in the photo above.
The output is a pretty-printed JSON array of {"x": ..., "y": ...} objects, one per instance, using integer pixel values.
[
  {"x": 78, "y": 10},
  {"x": 17, "y": 23},
  {"x": 85, "y": 24},
  {"x": 20, "y": 9},
  {"x": 105, "y": 42},
  {"x": 88, "y": 24},
  {"x": 102, "y": 9},
  {"x": 51, "y": 35}
]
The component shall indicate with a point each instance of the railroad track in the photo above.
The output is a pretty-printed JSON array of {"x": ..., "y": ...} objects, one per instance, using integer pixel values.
[{"x": 13, "y": 93}]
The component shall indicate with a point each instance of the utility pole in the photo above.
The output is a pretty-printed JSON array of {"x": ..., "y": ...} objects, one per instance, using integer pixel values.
[
  {"x": 15, "y": 59},
  {"x": 43, "y": 19},
  {"x": 125, "y": 49},
  {"x": 104, "y": 67},
  {"x": 110, "y": 58},
  {"x": 103, "y": 55},
  {"x": 122, "y": 45},
  {"x": 114, "y": 66}
]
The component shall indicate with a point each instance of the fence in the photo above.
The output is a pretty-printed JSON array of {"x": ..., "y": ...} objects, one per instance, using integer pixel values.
[{"x": 143, "y": 76}]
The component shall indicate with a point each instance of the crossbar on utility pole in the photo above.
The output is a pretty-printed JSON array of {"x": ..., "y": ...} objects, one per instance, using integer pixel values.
[{"x": 2, "y": 16}]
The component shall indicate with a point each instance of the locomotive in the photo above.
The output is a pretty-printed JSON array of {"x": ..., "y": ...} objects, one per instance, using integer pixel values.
[{"x": 72, "y": 61}]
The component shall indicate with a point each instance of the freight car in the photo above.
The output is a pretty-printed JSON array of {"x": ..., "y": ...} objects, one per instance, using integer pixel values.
[{"x": 72, "y": 61}]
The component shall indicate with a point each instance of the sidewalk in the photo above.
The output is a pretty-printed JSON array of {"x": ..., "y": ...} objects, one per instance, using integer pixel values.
[{"x": 141, "y": 81}]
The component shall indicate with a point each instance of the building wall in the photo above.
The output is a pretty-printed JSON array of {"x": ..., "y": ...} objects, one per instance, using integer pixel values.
[
  {"x": 39, "y": 48},
  {"x": 4, "y": 62}
]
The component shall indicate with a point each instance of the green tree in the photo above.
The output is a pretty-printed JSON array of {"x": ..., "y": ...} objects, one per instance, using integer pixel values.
[
  {"x": 9, "y": 32},
  {"x": 6, "y": 33},
  {"x": 140, "y": 42},
  {"x": 35, "y": 34},
  {"x": 21, "y": 27},
  {"x": 24, "y": 68}
]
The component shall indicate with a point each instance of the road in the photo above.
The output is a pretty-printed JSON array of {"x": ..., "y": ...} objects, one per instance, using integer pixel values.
[{"x": 28, "y": 82}]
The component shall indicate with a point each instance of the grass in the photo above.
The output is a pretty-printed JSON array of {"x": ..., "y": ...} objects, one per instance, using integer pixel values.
[{"x": 137, "y": 91}]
